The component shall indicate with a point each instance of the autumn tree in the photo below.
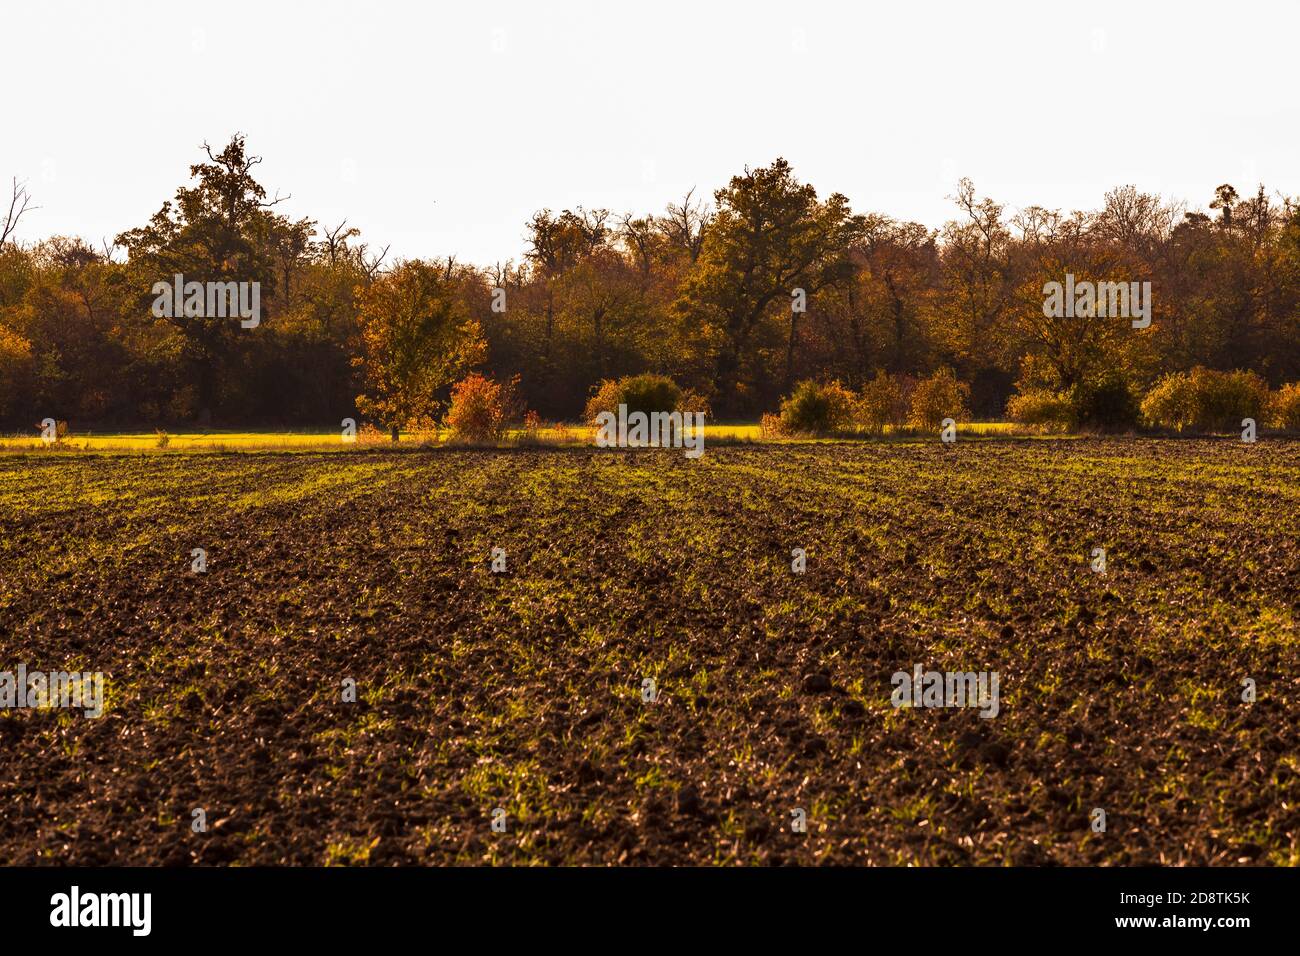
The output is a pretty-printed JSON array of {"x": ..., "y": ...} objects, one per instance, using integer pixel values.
[
  {"x": 15, "y": 367},
  {"x": 770, "y": 237},
  {"x": 979, "y": 285},
  {"x": 684, "y": 225},
  {"x": 222, "y": 228},
  {"x": 880, "y": 317},
  {"x": 557, "y": 243},
  {"x": 417, "y": 338},
  {"x": 69, "y": 315}
]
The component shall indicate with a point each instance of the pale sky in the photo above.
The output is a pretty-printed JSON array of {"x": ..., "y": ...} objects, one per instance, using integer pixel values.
[{"x": 441, "y": 127}]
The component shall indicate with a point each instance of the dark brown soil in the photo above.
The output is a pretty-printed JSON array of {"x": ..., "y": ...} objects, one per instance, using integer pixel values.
[{"x": 524, "y": 690}]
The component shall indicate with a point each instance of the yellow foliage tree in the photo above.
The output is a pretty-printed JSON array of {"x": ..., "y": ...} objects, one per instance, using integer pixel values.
[{"x": 417, "y": 339}]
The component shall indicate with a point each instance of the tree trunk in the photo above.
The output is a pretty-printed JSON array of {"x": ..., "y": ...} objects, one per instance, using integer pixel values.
[
  {"x": 789, "y": 351},
  {"x": 207, "y": 389},
  {"x": 727, "y": 379}
]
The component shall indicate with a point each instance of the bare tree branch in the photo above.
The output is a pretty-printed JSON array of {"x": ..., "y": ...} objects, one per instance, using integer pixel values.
[
  {"x": 371, "y": 264},
  {"x": 19, "y": 203}
]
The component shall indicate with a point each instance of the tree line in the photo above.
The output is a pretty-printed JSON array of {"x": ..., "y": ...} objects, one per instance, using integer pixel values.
[{"x": 737, "y": 298}]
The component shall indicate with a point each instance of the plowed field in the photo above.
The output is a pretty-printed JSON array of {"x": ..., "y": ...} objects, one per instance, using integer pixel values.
[{"x": 526, "y": 690}]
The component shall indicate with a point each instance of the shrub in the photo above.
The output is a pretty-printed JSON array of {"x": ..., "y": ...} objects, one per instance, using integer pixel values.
[
  {"x": 605, "y": 399},
  {"x": 369, "y": 434},
  {"x": 556, "y": 433},
  {"x": 1169, "y": 404},
  {"x": 1043, "y": 409},
  {"x": 647, "y": 393},
  {"x": 423, "y": 430},
  {"x": 693, "y": 401},
  {"x": 769, "y": 426},
  {"x": 816, "y": 409},
  {"x": 1223, "y": 399},
  {"x": 938, "y": 397},
  {"x": 1206, "y": 399},
  {"x": 845, "y": 406},
  {"x": 61, "y": 441},
  {"x": 532, "y": 425},
  {"x": 883, "y": 402},
  {"x": 479, "y": 407},
  {"x": 163, "y": 439},
  {"x": 1284, "y": 407},
  {"x": 1107, "y": 403}
]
